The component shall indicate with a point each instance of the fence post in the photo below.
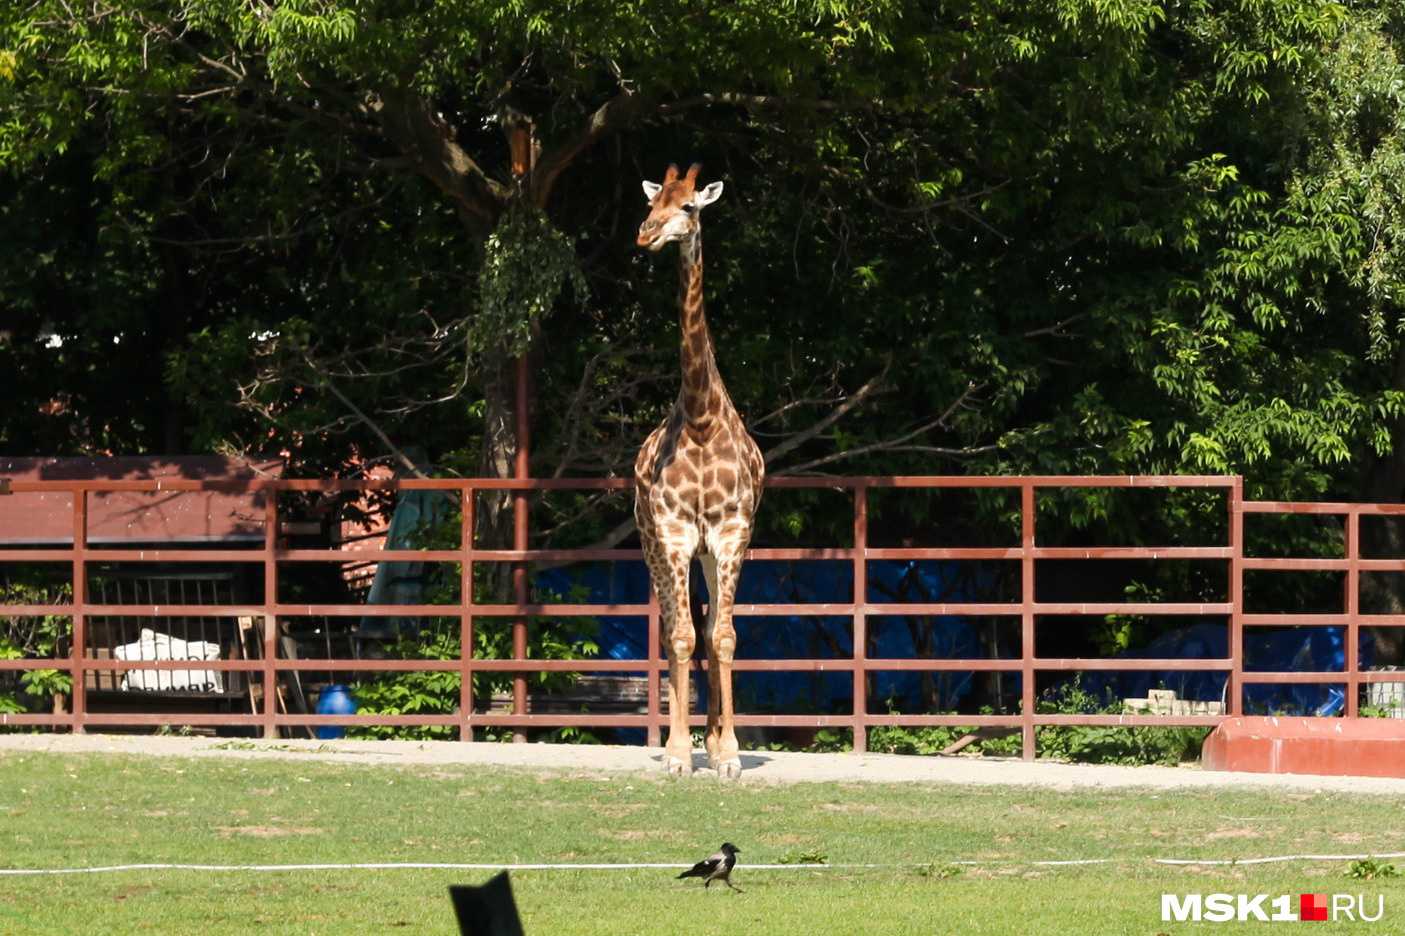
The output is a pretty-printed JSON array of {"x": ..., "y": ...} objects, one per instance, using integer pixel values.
[
  {"x": 468, "y": 508},
  {"x": 270, "y": 618},
  {"x": 1234, "y": 680},
  {"x": 1028, "y": 695},
  {"x": 652, "y": 652},
  {"x": 860, "y": 616},
  {"x": 520, "y": 530},
  {"x": 79, "y": 639},
  {"x": 1352, "y": 600}
]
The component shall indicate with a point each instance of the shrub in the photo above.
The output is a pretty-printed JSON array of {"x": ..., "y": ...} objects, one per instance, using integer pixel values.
[
  {"x": 32, "y": 637},
  {"x": 1099, "y": 744}
]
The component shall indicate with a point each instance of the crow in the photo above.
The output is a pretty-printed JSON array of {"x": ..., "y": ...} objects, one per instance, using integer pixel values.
[{"x": 716, "y": 867}]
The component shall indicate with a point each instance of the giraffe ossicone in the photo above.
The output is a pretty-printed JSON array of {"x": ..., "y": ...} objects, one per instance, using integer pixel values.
[{"x": 697, "y": 486}]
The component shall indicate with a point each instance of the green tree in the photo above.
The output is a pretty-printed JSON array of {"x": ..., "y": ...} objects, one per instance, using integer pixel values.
[{"x": 1076, "y": 237}]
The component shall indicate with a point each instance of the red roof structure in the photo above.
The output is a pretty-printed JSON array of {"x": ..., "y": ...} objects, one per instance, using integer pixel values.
[{"x": 45, "y": 518}]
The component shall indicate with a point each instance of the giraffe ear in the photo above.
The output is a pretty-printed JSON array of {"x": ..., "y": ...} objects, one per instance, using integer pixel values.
[
  {"x": 651, "y": 189},
  {"x": 708, "y": 195}
]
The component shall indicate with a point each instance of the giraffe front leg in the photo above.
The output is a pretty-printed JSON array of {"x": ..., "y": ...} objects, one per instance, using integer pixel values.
[
  {"x": 678, "y": 751},
  {"x": 720, "y": 637}
]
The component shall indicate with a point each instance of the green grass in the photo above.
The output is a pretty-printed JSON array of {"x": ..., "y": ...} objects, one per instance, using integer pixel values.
[{"x": 945, "y": 859}]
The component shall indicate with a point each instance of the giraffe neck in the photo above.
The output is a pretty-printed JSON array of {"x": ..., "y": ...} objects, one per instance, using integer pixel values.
[{"x": 703, "y": 395}]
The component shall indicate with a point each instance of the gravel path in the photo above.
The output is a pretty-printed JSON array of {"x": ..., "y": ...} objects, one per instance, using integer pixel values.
[{"x": 759, "y": 766}]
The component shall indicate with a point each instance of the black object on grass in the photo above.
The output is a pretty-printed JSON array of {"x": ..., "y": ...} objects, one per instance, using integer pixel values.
[{"x": 488, "y": 909}]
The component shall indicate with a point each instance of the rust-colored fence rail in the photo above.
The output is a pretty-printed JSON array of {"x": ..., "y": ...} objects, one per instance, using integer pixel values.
[{"x": 258, "y": 625}]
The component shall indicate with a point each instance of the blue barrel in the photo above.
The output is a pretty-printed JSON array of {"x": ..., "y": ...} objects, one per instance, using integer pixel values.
[{"x": 334, "y": 700}]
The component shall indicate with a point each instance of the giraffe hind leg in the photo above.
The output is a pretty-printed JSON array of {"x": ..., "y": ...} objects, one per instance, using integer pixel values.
[{"x": 669, "y": 571}]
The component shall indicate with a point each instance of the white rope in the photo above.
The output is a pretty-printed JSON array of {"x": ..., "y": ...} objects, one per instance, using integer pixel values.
[
  {"x": 588, "y": 866},
  {"x": 1248, "y": 861},
  {"x": 390, "y": 866}
]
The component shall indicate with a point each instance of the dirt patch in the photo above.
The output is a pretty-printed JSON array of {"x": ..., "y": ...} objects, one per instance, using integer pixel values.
[
  {"x": 1352, "y": 838},
  {"x": 267, "y": 831},
  {"x": 628, "y": 834},
  {"x": 1230, "y": 832}
]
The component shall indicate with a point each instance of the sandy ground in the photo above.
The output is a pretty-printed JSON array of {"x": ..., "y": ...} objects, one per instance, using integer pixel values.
[{"x": 760, "y": 767}]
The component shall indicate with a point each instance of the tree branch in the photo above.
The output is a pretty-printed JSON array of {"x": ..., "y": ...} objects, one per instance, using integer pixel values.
[
  {"x": 427, "y": 140},
  {"x": 1056, "y": 329},
  {"x": 845, "y": 406},
  {"x": 897, "y": 445},
  {"x": 865, "y": 393},
  {"x": 761, "y": 101},
  {"x": 615, "y": 114},
  {"x": 326, "y": 380}
]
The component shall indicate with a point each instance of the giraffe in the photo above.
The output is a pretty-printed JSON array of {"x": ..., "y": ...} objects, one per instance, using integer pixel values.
[{"x": 697, "y": 485}]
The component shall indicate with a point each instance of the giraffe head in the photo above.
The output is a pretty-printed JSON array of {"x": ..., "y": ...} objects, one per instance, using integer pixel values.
[{"x": 674, "y": 207}]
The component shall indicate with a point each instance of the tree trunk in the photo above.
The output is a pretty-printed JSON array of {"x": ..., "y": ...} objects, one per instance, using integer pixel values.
[
  {"x": 494, "y": 518},
  {"x": 1383, "y": 481}
]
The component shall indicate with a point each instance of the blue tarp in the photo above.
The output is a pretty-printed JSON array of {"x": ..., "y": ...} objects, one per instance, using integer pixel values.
[
  {"x": 797, "y": 636},
  {"x": 1305, "y": 649}
]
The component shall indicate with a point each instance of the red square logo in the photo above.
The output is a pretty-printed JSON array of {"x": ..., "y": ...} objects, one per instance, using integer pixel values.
[{"x": 1313, "y": 907}]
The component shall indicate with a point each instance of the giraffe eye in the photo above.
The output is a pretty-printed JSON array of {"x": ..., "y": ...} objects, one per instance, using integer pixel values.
[{"x": 689, "y": 208}]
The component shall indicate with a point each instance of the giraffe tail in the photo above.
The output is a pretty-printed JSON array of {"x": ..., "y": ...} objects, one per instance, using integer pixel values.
[{"x": 695, "y": 607}]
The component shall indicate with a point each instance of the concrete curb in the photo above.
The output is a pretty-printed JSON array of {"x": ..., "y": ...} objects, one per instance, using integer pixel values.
[{"x": 771, "y": 767}]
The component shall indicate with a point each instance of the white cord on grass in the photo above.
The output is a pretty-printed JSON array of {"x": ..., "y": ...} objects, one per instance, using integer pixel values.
[
  {"x": 386, "y": 866},
  {"x": 586, "y": 866},
  {"x": 1270, "y": 860}
]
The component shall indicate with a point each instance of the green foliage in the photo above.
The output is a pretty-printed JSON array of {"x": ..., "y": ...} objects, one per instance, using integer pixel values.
[
  {"x": 899, "y": 739},
  {"x": 802, "y": 857},
  {"x": 432, "y": 692},
  {"x": 1122, "y": 237},
  {"x": 1122, "y": 632},
  {"x": 436, "y": 692},
  {"x": 32, "y": 637},
  {"x": 831, "y": 740},
  {"x": 939, "y": 871},
  {"x": 1368, "y": 869},
  {"x": 1082, "y": 743},
  {"x": 439, "y": 692},
  {"x": 526, "y": 264},
  {"x": 419, "y": 692},
  {"x": 1093, "y": 744}
]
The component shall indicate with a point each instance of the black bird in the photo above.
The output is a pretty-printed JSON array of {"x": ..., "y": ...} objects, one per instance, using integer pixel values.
[{"x": 716, "y": 867}]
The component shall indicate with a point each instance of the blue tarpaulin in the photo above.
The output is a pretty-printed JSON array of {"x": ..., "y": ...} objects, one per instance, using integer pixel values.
[
  {"x": 802, "y": 636},
  {"x": 1305, "y": 649}
]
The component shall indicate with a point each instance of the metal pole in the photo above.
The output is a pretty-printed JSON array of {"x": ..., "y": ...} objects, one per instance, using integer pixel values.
[
  {"x": 860, "y": 618},
  {"x": 519, "y": 541},
  {"x": 270, "y": 620},
  {"x": 1234, "y": 686},
  {"x": 80, "y": 613},
  {"x": 1028, "y": 696},
  {"x": 654, "y": 653},
  {"x": 1352, "y": 651},
  {"x": 520, "y": 138},
  {"x": 468, "y": 508}
]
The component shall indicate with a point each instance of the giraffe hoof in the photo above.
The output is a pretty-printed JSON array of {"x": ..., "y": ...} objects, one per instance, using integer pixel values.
[
  {"x": 729, "y": 769},
  {"x": 677, "y": 767}
]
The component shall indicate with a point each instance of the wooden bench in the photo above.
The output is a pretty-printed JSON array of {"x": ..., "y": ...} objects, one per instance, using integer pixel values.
[{"x": 194, "y": 691}]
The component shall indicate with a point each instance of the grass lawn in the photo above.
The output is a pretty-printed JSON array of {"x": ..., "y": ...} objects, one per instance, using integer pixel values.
[{"x": 902, "y": 859}]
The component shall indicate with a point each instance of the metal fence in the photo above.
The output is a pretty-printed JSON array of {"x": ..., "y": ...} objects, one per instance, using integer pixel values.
[{"x": 256, "y": 683}]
